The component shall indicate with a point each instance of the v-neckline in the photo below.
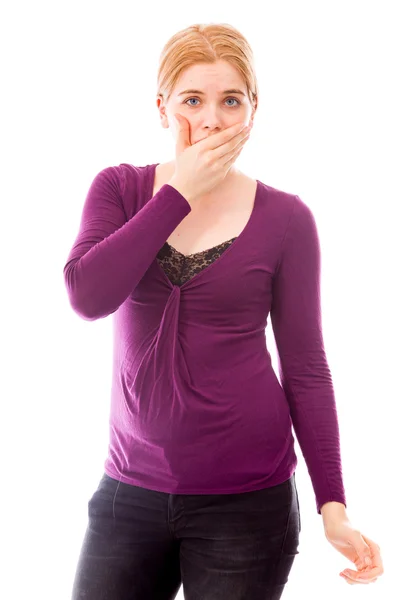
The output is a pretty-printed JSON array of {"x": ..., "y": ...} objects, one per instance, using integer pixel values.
[
  {"x": 238, "y": 238},
  {"x": 201, "y": 251}
]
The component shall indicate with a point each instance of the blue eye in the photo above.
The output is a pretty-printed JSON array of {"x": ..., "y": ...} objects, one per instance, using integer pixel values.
[{"x": 194, "y": 98}]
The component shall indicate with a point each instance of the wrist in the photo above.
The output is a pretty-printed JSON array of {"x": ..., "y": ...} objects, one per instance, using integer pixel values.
[
  {"x": 333, "y": 509},
  {"x": 173, "y": 182}
]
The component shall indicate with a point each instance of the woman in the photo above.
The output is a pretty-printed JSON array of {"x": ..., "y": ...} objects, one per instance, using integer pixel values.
[{"x": 190, "y": 257}]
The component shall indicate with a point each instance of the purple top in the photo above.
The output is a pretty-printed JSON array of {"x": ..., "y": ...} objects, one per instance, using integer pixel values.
[{"x": 196, "y": 406}]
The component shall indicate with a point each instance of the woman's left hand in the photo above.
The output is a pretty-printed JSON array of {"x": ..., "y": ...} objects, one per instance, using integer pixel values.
[{"x": 357, "y": 548}]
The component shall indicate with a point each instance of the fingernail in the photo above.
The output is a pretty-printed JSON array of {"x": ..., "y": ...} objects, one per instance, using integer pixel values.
[{"x": 368, "y": 561}]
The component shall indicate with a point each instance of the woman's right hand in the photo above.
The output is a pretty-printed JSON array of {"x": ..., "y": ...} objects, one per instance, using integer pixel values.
[{"x": 202, "y": 166}]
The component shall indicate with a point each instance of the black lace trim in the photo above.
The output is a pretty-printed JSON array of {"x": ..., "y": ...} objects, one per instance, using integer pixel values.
[{"x": 180, "y": 268}]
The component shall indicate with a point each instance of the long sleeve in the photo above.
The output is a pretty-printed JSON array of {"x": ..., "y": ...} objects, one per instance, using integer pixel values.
[
  {"x": 111, "y": 253},
  {"x": 303, "y": 367}
]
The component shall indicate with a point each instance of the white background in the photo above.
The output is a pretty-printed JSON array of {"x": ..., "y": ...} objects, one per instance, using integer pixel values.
[{"x": 78, "y": 95}]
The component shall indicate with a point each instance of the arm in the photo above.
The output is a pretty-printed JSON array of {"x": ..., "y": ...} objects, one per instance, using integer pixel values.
[
  {"x": 303, "y": 368},
  {"x": 332, "y": 511},
  {"x": 111, "y": 254}
]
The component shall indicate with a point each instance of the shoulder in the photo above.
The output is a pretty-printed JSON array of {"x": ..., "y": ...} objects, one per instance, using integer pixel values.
[
  {"x": 129, "y": 182},
  {"x": 126, "y": 175},
  {"x": 283, "y": 205}
]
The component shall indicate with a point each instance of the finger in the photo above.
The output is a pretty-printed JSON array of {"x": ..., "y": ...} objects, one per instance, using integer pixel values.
[
  {"x": 243, "y": 140},
  {"x": 236, "y": 144},
  {"x": 231, "y": 155},
  {"x": 372, "y": 573},
  {"x": 354, "y": 581},
  {"x": 221, "y": 138},
  {"x": 373, "y": 545},
  {"x": 232, "y": 158},
  {"x": 365, "y": 577},
  {"x": 232, "y": 134},
  {"x": 347, "y": 580},
  {"x": 351, "y": 582},
  {"x": 375, "y": 554},
  {"x": 375, "y": 548}
]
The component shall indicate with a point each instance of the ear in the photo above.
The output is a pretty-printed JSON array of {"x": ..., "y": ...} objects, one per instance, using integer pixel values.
[
  {"x": 254, "y": 108},
  {"x": 161, "y": 109}
]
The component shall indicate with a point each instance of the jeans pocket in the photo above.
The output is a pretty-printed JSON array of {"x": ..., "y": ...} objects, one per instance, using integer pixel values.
[{"x": 101, "y": 504}]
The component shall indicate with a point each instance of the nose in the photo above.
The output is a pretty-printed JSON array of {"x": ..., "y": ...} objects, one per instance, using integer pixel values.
[
  {"x": 212, "y": 123},
  {"x": 214, "y": 129}
]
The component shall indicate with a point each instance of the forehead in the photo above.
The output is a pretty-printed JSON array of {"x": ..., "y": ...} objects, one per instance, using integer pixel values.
[{"x": 210, "y": 77}]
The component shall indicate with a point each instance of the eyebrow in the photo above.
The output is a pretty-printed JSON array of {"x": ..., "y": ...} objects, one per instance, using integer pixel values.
[{"x": 232, "y": 91}]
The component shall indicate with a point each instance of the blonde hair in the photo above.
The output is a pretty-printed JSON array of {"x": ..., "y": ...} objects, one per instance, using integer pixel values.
[{"x": 202, "y": 43}]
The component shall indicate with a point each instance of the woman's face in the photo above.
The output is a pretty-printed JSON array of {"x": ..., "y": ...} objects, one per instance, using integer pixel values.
[{"x": 215, "y": 105}]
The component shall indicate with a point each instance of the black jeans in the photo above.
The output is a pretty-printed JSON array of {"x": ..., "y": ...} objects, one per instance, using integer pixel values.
[{"x": 142, "y": 545}]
